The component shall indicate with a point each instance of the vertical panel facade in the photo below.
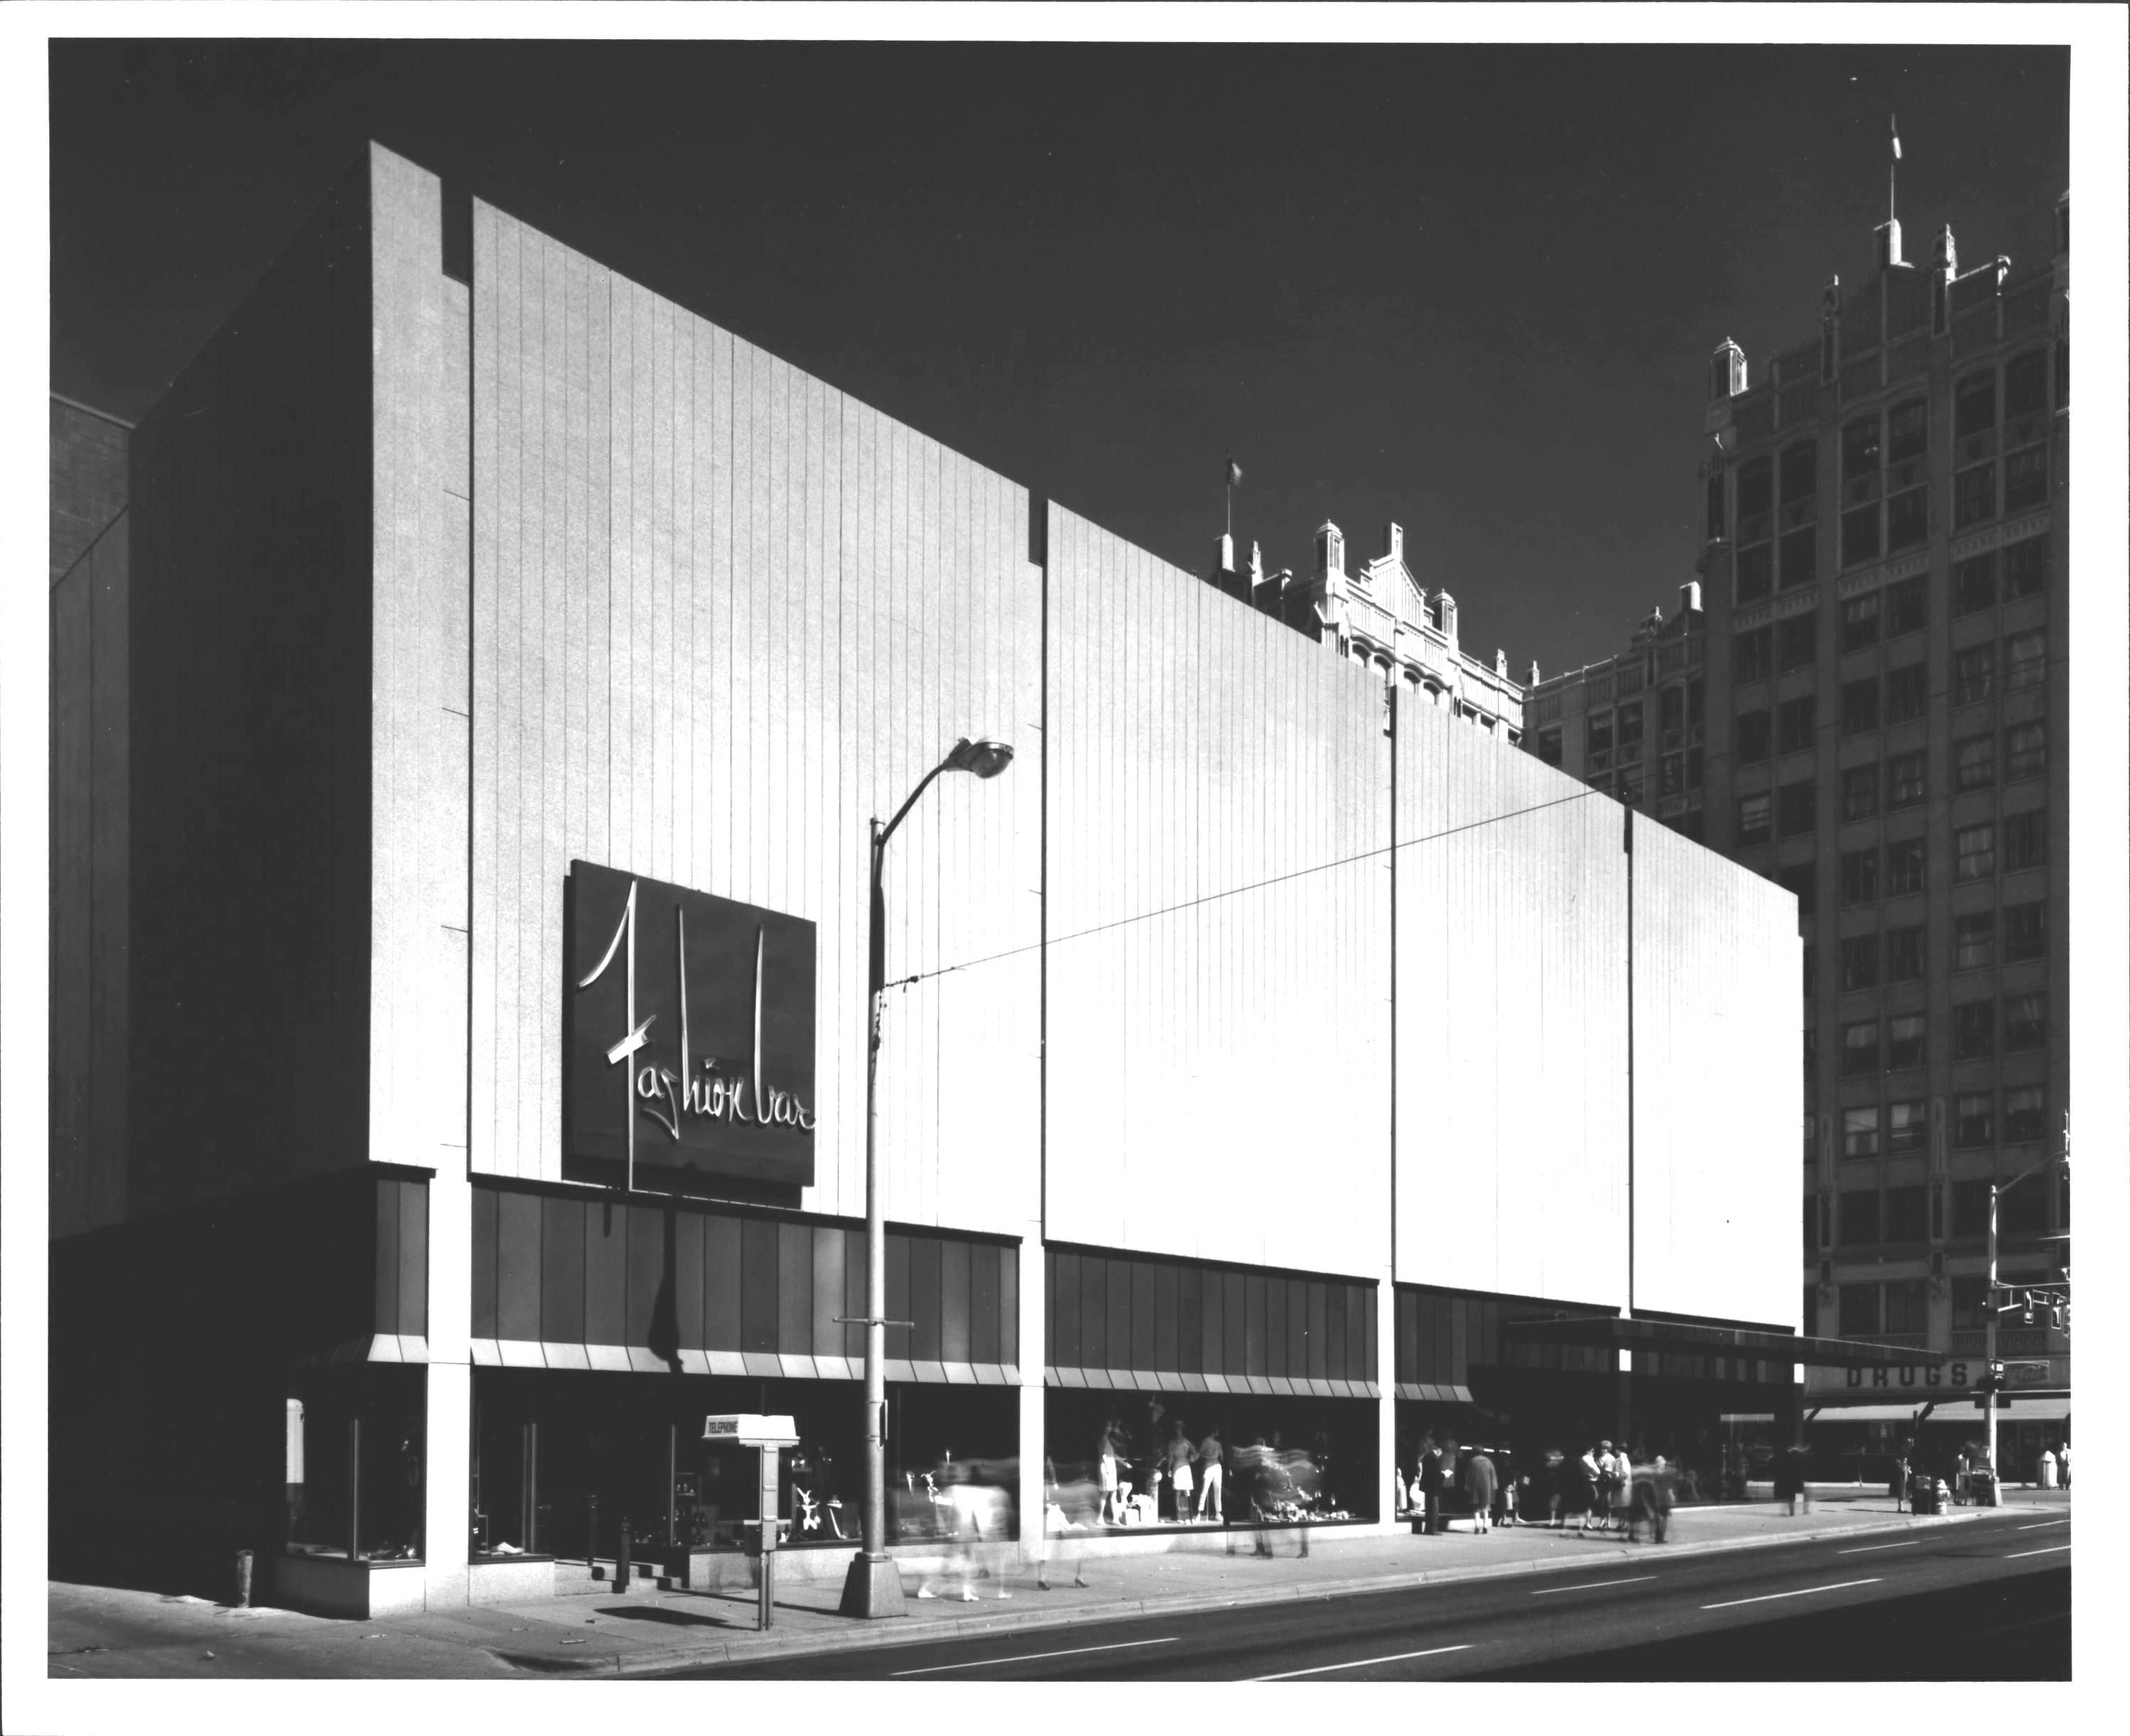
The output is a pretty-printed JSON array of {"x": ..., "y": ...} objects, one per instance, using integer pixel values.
[
  {"x": 1218, "y": 922},
  {"x": 1715, "y": 968},
  {"x": 724, "y": 615},
  {"x": 1512, "y": 1053}
]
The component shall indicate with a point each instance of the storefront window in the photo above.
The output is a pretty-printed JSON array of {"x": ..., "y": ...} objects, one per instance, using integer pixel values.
[{"x": 362, "y": 1460}]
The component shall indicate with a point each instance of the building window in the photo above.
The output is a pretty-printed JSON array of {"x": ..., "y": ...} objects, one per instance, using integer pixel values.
[
  {"x": 1859, "y": 536},
  {"x": 1860, "y": 706},
  {"x": 1859, "y": 1227},
  {"x": 1974, "y": 405},
  {"x": 2026, "y": 841},
  {"x": 1811, "y": 1227},
  {"x": 2026, "y": 385},
  {"x": 2026, "y": 932},
  {"x": 1904, "y": 867},
  {"x": 1973, "y": 673},
  {"x": 2026, "y": 660},
  {"x": 1671, "y": 715},
  {"x": 1971, "y": 1296},
  {"x": 2025, "y": 1112},
  {"x": 1716, "y": 508},
  {"x": 2027, "y": 568},
  {"x": 1907, "y": 691},
  {"x": 1752, "y": 654},
  {"x": 1860, "y": 962},
  {"x": 2026, "y": 750},
  {"x": 1974, "y": 585},
  {"x": 1757, "y": 495},
  {"x": 1974, "y": 496},
  {"x": 1631, "y": 732},
  {"x": 1800, "y": 471},
  {"x": 1859, "y": 877},
  {"x": 1974, "y": 762},
  {"x": 1800, "y": 558},
  {"x": 1908, "y": 1304},
  {"x": 1859, "y": 792},
  {"x": 1860, "y": 1132},
  {"x": 2022, "y": 1209},
  {"x": 1974, "y": 1122},
  {"x": 2026, "y": 478},
  {"x": 2026, "y": 1021},
  {"x": 1859, "y": 1047},
  {"x": 1801, "y": 882},
  {"x": 1907, "y": 1040},
  {"x": 1908, "y": 781},
  {"x": 1796, "y": 642},
  {"x": 1908, "y": 431},
  {"x": 1549, "y": 745},
  {"x": 1974, "y": 941},
  {"x": 1754, "y": 819},
  {"x": 1797, "y": 806},
  {"x": 1908, "y": 519},
  {"x": 1907, "y": 606},
  {"x": 1860, "y": 622},
  {"x": 1974, "y": 1030},
  {"x": 1793, "y": 722},
  {"x": 1753, "y": 737},
  {"x": 1859, "y": 1302},
  {"x": 1904, "y": 954},
  {"x": 1756, "y": 572},
  {"x": 1598, "y": 739},
  {"x": 1975, "y": 852},
  {"x": 1859, "y": 450},
  {"x": 1904, "y": 1223},
  {"x": 1631, "y": 785},
  {"x": 1906, "y": 1129}
]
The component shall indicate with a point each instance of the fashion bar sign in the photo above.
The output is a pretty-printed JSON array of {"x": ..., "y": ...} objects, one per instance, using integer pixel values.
[{"x": 688, "y": 1027}]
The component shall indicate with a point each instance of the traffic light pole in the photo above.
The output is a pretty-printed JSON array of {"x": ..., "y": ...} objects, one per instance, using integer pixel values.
[{"x": 1989, "y": 1361}]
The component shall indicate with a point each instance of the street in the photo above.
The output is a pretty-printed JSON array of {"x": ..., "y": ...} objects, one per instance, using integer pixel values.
[{"x": 1989, "y": 1600}]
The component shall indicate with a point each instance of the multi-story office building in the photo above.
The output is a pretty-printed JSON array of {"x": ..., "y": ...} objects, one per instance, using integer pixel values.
[
  {"x": 1887, "y": 623},
  {"x": 1635, "y": 725},
  {"x": 1384, "y": 618}
]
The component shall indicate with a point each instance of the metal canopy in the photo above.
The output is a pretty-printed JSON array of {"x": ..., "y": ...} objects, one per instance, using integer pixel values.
[{"x": 1609, "y": 1332}]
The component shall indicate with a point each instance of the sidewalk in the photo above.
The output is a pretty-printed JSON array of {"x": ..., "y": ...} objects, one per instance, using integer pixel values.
[{"x": 98, "y": 1632}]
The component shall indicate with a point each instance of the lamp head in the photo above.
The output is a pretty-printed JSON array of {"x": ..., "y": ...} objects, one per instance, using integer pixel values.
[{"x": 986, "y": 758}]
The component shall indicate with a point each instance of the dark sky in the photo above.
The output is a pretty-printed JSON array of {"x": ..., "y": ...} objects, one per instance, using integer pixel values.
[{"x": 1472, "y": 290}]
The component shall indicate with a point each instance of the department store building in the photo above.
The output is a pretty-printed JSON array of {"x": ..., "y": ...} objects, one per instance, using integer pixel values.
[{"x": 467, "y": 722}]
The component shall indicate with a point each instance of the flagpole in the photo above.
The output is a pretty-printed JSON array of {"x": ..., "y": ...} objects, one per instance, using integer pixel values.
[{"x": 1892, "y": 166}]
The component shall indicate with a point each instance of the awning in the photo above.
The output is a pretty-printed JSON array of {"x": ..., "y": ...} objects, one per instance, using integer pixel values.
[
  {"x": 1429, "y": 1393},
  {"x": 1959, "y": 1413},
  {"x": 746, "y": 1365},
  {"x": 1610, "y": 1332},
  {"x": 1154, "y": 1380},
  {"x": 1747, "y": 1416}
]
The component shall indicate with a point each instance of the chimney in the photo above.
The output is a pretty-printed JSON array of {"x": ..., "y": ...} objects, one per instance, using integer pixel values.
[
  {"x": 1394, "y": 542},
  {"x": 1446, "y": 607},
  {"x": 1257, "y": 566},
  {"x": 1330, "y": 550},
  {"x": 1530, "y": 674},
  {"x": 1888, "y": 234},
  {"x": 1726, "y": 372},
  {"x": 1501, "y": 662},
  {"x": 1689, "y": 596},
  {"x": 1227, "y": 552}
]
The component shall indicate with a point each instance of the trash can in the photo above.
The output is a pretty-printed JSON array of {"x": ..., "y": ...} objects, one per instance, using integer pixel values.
[
  {"x": 1926, "y": 1496},
  {"x": 1983, "y": 1484}
]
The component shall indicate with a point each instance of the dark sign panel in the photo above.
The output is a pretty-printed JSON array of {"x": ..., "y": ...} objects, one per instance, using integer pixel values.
[{"x": 687, "y": 1031}]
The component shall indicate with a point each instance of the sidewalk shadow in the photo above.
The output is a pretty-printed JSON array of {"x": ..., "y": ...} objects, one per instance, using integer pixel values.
[{"x": 673, "y": 1618}]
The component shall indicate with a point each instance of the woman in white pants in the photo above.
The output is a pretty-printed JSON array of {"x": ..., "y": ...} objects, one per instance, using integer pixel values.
[{"x": 1209, "y": 1477}]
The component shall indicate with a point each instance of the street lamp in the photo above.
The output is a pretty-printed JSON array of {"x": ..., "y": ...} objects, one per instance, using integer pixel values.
[
  {"x": 1989, "y": 1378},
  {"x": 873, "y": 1587}
]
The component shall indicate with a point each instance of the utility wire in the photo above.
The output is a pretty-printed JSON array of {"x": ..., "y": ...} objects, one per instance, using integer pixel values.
[{"x": 1295, "y": 874}]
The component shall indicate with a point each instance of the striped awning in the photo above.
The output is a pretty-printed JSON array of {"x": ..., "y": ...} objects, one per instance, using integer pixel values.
[
  {"x": 746, "y": 1365},
  {"x": 1142, "y": 1380},
  {"x": 1429, "y": 1392}
]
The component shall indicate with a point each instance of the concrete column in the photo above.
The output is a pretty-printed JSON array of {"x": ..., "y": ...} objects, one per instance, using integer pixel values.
[
  {"x": 449, "y": 1448},
  {"x": 1032, "y": 1494}
]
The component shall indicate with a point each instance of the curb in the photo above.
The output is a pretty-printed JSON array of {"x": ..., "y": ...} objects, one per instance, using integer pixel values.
[{"x": 740, "y": 1651}]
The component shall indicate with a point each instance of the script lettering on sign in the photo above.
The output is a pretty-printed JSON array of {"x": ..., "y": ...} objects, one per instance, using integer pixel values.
[{"x": 689, "y": 1030}]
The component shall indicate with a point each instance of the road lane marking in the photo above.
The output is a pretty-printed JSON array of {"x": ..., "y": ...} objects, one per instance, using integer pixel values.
[
  {"x": 2053, "y": 1549},
  {"x": 1554, "y": 1591},
  {"x": 1122, "y": 1645},
  {"x": 1361, "y": 1663},
  {"x": 1866, "y": 1549},
  {"x": 2043, "y": 1526},
  {"x": 1768, "y": 1597}
]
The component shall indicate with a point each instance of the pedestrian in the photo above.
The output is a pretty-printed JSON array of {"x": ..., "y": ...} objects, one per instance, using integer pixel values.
[
  {"x": 2063, "y": 1462},
  {"x": 1479, "y": 1484},
  {"x": 1660, "y": 1518},
  {"x": 1897, "y": 1484},
  {"x": 1619, "y": 1487},
  {"x": 1210, "y": 1452},
  {"x": 1256, "y": 1471},
  {"x": 1181, "y": 1482},
  {"x": 1586, "y": 1488},
  {"x": 1554, "y": 1477},
  {"x": 1430, "y": 1486}
]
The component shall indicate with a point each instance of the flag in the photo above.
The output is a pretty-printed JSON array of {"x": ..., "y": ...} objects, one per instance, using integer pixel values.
[
  {"x": 1234, "y": 473},
  {"x": 1894, "y": 122}
]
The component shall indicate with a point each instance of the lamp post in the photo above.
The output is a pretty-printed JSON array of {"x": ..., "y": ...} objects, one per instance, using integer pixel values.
[
  {"x": 872, "y": 1587},
  {"x": 1989, "y": 1323}
]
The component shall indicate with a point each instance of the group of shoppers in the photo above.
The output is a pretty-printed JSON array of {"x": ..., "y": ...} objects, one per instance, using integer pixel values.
[
  {"x": 1209, "y": 1481},
  {"x": 1600, "y": 1490}
]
